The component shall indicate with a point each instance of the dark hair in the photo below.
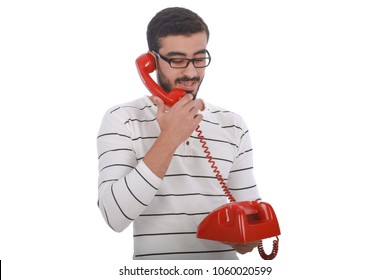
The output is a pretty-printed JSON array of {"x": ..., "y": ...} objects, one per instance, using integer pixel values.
[{"x": 173, "y": 21}]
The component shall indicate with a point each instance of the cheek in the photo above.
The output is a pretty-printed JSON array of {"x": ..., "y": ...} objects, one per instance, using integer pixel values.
[
  {"x": 201, "y": 72},
  {"x": 165, "y": 81},
  {"x": 167, "y": 75}
]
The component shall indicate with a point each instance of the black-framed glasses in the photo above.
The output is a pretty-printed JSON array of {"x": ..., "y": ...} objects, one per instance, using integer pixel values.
[{"x": 198, "y": 62}]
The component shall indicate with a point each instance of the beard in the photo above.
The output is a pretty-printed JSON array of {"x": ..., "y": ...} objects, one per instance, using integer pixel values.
[{"x": 167, "y": 87}]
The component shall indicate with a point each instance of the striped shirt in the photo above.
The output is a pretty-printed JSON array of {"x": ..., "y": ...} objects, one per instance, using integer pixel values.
[{"x": 165, "y": 213}]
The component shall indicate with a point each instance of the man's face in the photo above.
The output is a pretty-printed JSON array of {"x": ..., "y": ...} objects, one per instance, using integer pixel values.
[{"x": 190, "y": 78}]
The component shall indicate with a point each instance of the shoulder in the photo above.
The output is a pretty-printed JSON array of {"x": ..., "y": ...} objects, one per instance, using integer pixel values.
[
  {"x": 136, "y": 108},
  {"x": 222, "y": 115},
  {"x": 136, "y": 105}
]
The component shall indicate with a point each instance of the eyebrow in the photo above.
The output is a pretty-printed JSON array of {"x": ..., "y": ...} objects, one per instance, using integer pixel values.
[{"x": 184, "y": 54}]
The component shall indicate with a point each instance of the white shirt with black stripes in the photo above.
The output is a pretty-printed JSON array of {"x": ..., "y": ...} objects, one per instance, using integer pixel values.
[{"x": 165, "y": 213}]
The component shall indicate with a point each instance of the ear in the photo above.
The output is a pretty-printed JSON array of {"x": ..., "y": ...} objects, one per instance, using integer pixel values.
[
  {"x": 155, "y": 59},
  {"x": 153, "y": 53}
]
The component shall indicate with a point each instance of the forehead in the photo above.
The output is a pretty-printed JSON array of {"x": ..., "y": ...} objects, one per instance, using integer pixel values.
[{"x": 186, "y": 44}]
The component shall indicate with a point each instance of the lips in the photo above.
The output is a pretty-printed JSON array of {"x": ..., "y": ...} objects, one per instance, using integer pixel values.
[{"x": 188, "y": 85}]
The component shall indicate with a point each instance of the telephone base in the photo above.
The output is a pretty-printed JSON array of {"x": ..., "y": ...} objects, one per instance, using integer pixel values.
[{"x": 240, "y": 222}]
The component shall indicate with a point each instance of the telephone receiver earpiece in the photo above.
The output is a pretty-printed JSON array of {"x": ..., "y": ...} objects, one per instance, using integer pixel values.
[{"x": 146, "y": 65}]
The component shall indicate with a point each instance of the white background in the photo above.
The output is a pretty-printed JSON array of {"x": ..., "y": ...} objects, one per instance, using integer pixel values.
[{"x": 311, "y": 79}]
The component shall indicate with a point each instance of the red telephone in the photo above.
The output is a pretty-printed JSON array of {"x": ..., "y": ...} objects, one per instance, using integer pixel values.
[
  {"x": 235, "y": 222},
  {"x": 240, "y": 222},
  {"x": 146, "y": 65}
]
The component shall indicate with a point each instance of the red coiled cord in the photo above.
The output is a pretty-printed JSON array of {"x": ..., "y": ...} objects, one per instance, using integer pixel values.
[
  {"x": 214, "y": 166},
  {"x": 226, "y": 190},
  {"x": 274, "y": 252}
]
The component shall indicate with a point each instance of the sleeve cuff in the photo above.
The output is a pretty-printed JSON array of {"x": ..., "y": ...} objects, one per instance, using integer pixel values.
[{"x": 148, "y": 174}]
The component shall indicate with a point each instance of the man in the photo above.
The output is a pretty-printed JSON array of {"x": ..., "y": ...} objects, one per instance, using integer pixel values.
[{"x": 153, "y": 170}]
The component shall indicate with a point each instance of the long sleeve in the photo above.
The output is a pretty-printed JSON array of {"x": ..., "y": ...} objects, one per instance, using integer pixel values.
[{"x": 126, "y": 185}]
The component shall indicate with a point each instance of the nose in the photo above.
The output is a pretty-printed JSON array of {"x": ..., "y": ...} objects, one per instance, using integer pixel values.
[{"x": 190, "y": 71}]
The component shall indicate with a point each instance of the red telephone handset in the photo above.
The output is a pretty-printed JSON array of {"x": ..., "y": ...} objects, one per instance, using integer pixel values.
[
  {"x": 146, "y": 65},
  {"x": 235, "y": 222}
]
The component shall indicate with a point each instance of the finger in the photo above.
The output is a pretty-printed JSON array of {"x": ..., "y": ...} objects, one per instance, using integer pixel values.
[
  {"x": 198, "y": 118},
  {"x": 186, "y": 100},
  {"x": 193, "y": 110}
]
